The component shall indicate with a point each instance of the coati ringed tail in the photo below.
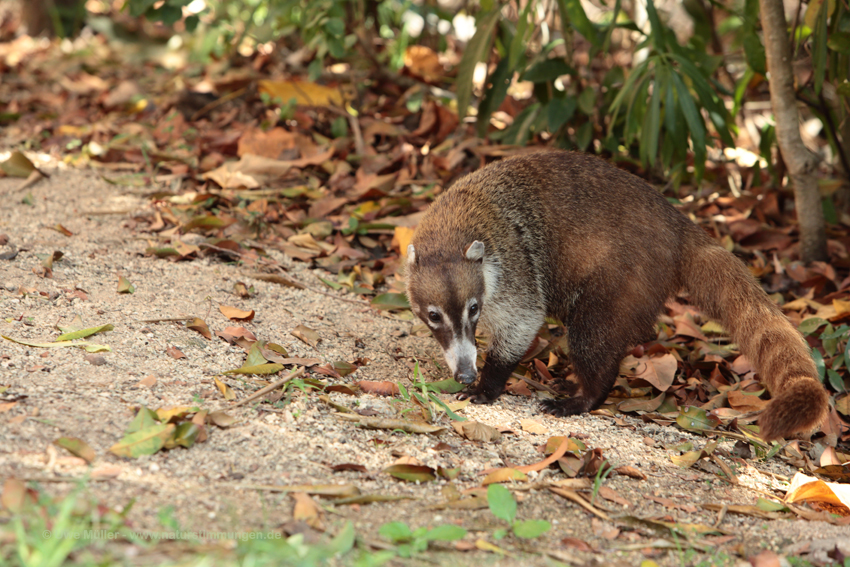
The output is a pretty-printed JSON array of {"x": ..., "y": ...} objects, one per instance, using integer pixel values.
[{"x": 569, "y": 235}]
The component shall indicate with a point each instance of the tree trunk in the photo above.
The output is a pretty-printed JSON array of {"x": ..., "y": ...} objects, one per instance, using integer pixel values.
[{"x": 801, "y": 162}]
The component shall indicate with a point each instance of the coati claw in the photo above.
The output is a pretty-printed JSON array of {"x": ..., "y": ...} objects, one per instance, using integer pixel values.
[{"x": 475, "y": 397}]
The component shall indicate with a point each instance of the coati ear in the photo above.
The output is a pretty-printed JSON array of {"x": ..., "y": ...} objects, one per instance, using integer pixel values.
[
  {"x": 411, "y": 254},
  {"x": 475, "y": 251}
]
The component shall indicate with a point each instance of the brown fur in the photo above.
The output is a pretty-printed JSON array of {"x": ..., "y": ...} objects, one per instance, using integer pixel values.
[{"x": 574, "y": 237}]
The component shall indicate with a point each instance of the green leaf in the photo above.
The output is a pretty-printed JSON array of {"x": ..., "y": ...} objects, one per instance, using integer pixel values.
[
  {"x": 657, "y": 32},
  {"x": 144, "y": 418},
  {"x": 819, "y": 364},
  {"x": 343, "y": 542},
  {"x": 84, "y": 333},
  {"x": 395, "y": 531},
  {"x": 259, "y": 370},
  {"x": 692, "y": 117},
  {"x": 577, "y": 17},
  {"x": 518, "y": 44},
  {"x": 529, "y": 529},
  {"x": 559, "y": 111},
  {"x": 255, "y": 357},
  {"x": 835, "y": 380},
  {"x": 652, "y": 126},
  {"x": 839, "y": 41},
  {"x": 448, "y": 386},
  {"x": 476, "y": 50},
  {"x": 185, "y": 434},
  {"x": 77, "y": 447},
  {"x": 810, "y": 325},
  {"x": 446, "y": 532},
  {"x": 754, "y": 53},
  {"x": 335, "y": 26},
  {"x": 587, "y": 101},
  {"x": 411, "y": 473},
  {"x": 819, "y": 47},
  {"x": 144, "y": 442},
  {"x": 547, "y": 71},
  {"x": 390, "y": 301},
  {"x": 696, "y": 419},
  {"x": 452, "y": 415},
  {"x": 501, "y": 502},
  {"x": 499, "y": 82}
]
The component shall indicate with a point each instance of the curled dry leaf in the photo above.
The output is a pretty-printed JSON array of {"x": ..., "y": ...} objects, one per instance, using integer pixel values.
[
  {"x": 221, "y": 419},
  {"x": 630, "y": 472},
  {"x": 307, "y": 510},
  {"x": 225, "y": 390},
  {"x": 277, "y": 279},
  {"x": 198, "y": 325},
  {"x": 77, "y": 447},
  {"x": 378, "y": 388},
  {"x": 411, "y": 473},
  {"x": 175, "y": 353},
  {"x": 504, "y": 475},
  {"x": 476, "y": 431},
  {"x": 388, "y": 423},
  {"x": 307, "y": 335},
  {"x": 235, "y": 313},
  {"x": 559, "y": 452},
  {"x": 124, "y": 285},
  {"x": 535, "y": 427}
]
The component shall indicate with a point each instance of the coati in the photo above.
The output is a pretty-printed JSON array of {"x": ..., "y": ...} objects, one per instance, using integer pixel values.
[{"x": 569, "y": 235}]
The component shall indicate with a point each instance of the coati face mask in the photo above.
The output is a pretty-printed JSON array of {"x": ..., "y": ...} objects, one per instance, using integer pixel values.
[{"x": 448, "y": 295}]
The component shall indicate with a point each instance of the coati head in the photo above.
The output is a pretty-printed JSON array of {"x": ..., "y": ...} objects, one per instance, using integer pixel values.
[{"x": 448, "y": 292}]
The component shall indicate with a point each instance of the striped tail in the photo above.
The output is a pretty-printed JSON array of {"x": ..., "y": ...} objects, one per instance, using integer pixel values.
[{"x": 722, "y": 287}]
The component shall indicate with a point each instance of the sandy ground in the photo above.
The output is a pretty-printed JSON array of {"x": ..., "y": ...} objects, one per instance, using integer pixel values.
[{"x": 215, "y": 485}]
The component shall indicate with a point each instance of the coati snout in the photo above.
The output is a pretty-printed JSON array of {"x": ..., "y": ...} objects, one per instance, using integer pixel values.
[
  {"x": 569, "y": 235},
  {"x": 451, "y": 304}
]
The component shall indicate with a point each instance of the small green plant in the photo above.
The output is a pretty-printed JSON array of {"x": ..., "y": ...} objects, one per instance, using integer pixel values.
[
  {"x": 410, "y": 541},
  {"x": 503, "y": 506}
]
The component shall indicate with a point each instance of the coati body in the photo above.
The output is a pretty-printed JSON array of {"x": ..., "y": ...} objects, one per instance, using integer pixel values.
[{"x": 571, "y": 236}]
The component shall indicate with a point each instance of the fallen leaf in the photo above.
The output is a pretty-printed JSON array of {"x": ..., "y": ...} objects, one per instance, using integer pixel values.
[
  {"x": 532, "y": 426},
  {"x": 77, "y": 447},
  {"x": 124, "y": 285},
  {"x": 378, "y": 388},
  {"x": 175, "y": 353},
  {"x": 225, "y": 390},
  {"x": 235, "y": 313},
  {"x": 199, "y": 326},
  {"x": 504, "y": 475},
  {"x": 306, "y": 334},
  {"x": 476, "y": 431}
]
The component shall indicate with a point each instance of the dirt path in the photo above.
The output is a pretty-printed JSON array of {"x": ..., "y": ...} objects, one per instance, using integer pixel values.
[{"x": 213, "y": 485}]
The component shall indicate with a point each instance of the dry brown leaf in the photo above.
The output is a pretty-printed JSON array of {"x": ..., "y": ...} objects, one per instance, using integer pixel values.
[
  {"x": 175, "y": 353},
  {"x": 504, "y": 475},
  {"x": 306, "y": 334},
  {"x": 532, "y": 426},
  {"x": 476, "y": 431},
  {"x": 199, "y": 326},
  {"x": 236, "y": 314},
  {"x": 148, "y": 381},
  {"x": 562, "y": 448},
  {"x": 307, "y": 510},
  {"x": 385, "y": 388}
]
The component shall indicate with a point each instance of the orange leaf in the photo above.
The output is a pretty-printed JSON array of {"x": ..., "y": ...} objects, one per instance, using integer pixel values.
[
  {"x": 236, "y": 314},
  {"x": 562, "y": 448}
]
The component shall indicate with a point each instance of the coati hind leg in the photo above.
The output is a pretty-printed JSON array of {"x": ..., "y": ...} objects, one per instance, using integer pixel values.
[{"x": 601, "y": 327}]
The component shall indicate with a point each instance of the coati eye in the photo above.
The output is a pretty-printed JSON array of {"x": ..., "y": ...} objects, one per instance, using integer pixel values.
[
  {"x": 473, "y": 309},
  {"x": 434, "y": 317}
]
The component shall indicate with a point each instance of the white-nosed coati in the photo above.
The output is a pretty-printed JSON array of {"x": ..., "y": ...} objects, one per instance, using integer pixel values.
[{"x": 569, "y": 235}]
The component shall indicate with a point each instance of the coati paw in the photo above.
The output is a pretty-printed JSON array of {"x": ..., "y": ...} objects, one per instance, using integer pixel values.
[
  {"x": 475, "y": 397},
  {"x": 563, "y": 407}
]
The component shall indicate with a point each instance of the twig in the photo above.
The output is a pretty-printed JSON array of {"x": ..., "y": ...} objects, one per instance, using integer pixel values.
[
  {"x": 218, "y": 102},
  {"x": 164, "y": 320},
  {"x": 536, "y": 384},
  {"x": 359, "y": 143},
  {"x": 263, "y": 391},
  {"x": 571, "y": 495}
]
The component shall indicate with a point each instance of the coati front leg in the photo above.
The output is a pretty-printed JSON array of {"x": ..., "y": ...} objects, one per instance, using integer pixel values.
[{"x": 512, "y": 332}]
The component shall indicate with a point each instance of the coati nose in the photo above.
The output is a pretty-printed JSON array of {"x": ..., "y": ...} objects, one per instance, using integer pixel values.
[{"x": 466, "y": 375}]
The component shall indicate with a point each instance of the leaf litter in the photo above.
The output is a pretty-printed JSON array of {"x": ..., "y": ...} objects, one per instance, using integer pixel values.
[{"x": 352, "y": 218}]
